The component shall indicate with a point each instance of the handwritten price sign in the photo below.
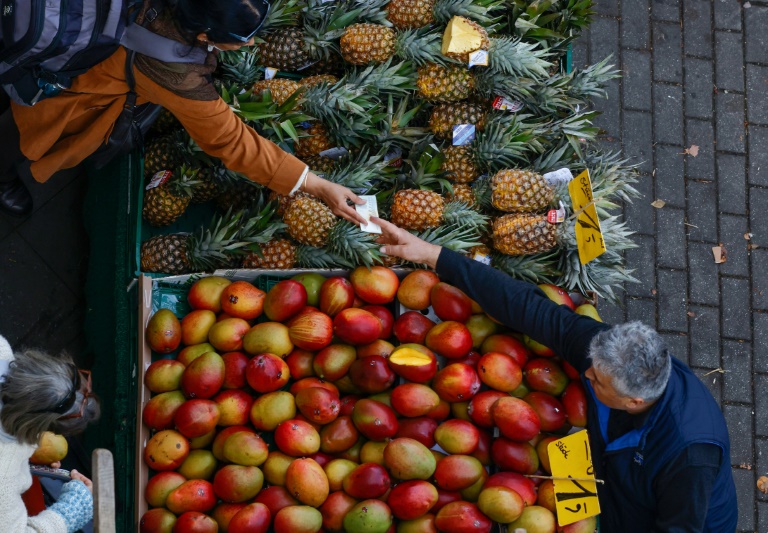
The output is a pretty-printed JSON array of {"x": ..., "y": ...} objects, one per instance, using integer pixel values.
[
  {"x": 589, "y": 238},
  {"x": 575, "y": 485}
]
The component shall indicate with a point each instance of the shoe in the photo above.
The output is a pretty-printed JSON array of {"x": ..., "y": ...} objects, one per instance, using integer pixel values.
[{"x": 15, "y": 198}]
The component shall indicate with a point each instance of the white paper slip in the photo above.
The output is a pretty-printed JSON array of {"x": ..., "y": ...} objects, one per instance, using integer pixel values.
[
  {"x": 270, "y": 73},
  {"x": 559, "y": 176},
  {"x": 367, "y": 210}
]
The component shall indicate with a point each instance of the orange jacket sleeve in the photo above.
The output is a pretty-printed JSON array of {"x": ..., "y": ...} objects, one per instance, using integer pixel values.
[{"x": 220, "y": 133}]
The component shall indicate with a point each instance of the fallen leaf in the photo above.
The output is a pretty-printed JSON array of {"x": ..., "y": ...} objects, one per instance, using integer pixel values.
[
  {"x": 762, "y": 484},
  {"x": 653, "y": 291},
  {"x": 747, "y": 5},
  {"x": 745, "y": 466},
  {"x": 720, "y": 370},
  {"x": 747, "y": 236},
  {"x": 693, "y": 151},
  {"x": 658, "y": 204},
  {"x": 691, "y": 314},
  {"x": 719, "y": 253}
]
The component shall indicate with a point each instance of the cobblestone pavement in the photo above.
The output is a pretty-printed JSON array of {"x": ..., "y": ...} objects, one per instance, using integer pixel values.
[{"x": 695, "y": 72}]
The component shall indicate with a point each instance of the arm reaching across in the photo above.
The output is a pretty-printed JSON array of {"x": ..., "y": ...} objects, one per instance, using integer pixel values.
[{"x": 335, "y": 196}]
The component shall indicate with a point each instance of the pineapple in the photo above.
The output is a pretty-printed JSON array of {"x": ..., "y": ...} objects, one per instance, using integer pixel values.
[
  {"x": 275, "y": 254},
  {"x": 161, "y": 153},
  {"x": 207, "y": 187},
  {"x": 445, "y": 84},
  {"x": 239, "y": 69},
  {"x": 365, "y": 43},
  {"x": 459, "y": 165},
  {"x": 522, "y": 234},
  {"x": 283, "y": 201},
  {"x": 312, "y": 223},
  {"x": 165, "y": 123},
  {"x": 407, "y": 14},
  {"x": 280, "y": 89},
  {"x": 520, "y": 191},
  {"x": 317, "y": 79},
  {"x": 463, "y": 37},
  {"x": 320, "y": 165},
  {"x": 445, "y": 116},
  {"x": 284, "y": 50},
  {"x": 318, "y": 141},
  {"x": 228, "y": 237},
  {"x": 237, "y": 192},
  {"x": 418, "y": 209},
  {"x": 462, "y": 193},
  {"x": 166, "y": 202}
]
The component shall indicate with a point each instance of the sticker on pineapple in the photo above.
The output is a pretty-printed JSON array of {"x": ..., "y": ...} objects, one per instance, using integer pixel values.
[
  {"x": 304, "y": 125},
  {"x": 478, "y": 58},
  {"x": 394, "y": 158},
  {"x": 556, "y": 216},
  {"x": 158, "y": 179},
  {"x": 463, "y": 134},
  {"x": 270, "y": 73},
  {"x": 557, "y": 177},
  {"x": 335, "y": 153},
  {"x": 503, "y": 104},
  {"x": 367, "y": 210},
  {"x": 481, "y": 257}
]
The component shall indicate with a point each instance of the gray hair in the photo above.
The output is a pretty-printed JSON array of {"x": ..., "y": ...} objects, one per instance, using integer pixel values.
[
  {"x": 34, "y": 385},
  {"x": 636, "y": 357}
]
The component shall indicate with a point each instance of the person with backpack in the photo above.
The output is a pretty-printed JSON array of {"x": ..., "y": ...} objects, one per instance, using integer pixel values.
[
  {"x": 40, "y": 393},
  {"x": 658, "y": 438},
  {"x": 61, "y": 131}
]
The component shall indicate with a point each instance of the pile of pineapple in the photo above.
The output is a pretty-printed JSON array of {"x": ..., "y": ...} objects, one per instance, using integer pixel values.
[{"x": 449, "y": 111}]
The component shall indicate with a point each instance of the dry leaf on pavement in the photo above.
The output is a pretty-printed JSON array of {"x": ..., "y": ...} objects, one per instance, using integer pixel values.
[
  {"x": 658, "y": 204},
  {"x": 693, "y": 151},
  {"x": 762, "y": 484}
]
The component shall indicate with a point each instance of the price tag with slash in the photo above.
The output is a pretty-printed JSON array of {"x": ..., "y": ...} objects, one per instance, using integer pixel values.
[
  {"x": 589, "y": 237},
  {"x": 574, "y": 478}
]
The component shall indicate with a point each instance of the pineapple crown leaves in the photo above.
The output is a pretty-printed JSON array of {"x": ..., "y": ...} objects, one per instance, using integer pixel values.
[
  {"x": 312, "y": 257},
  {"x": 359, "y": 172},
  {"x": 276, "y": 122},
  {"x": 550, "y": 20},
  {"x": 507, "y": 141},
  {"x": 354, "y": 246},
  {"x": 386, "y": 78},
  {"x": 483, "y": 191},
  {"x": 396, "y": 125},
  {"x": 239, "y": 67},
  {"x": 213, "y": 245},
  {"x": 513, "y": 57},
  {"x": 453, "y": 237},
  {"x": 591, "y": 81},
  {"x": 575, "y": 129},
  {"x": 537, "y": 268},
  {"x": 460, "y": 215},
  {"x": 281, "y": 13},
  {"x": 422, "y": 170},
  {"x": 371, "y": 11},
  {"x": 596, "y": 276},
  {"x": 184, "y": 180},
  {"x": 421, "y": 46},
  {"x": 553, "y": 158},
  {"x": 490, "y": 83},
  {"x": 484, "y": 12}
]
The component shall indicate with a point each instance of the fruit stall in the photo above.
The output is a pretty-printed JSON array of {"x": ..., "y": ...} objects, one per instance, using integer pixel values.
[{"x": 272, "y": 370}]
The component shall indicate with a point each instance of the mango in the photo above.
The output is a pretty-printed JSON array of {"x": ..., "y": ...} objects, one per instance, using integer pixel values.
[
  {"x": 193, "y": 495},
  {"x": 457, "y": 472},
  {"x": 275, "y": 466},
  {"x": 245, "y": 448},
  {"x": 408, "y": 459},
  {"x": 375, "y": 420},
  {"x": 461, "y": 517},
  {"x": 298, "y": 519},
  {"x": 163, "y": 331},
  {"x": 414, "y": 399},
  {"x": 253, "y": 518},
  {"x": 501, "y": 504},
  {"x": 297, "y": 438},
  {"x": 368, "y": 516},
  {"x": 306, "y": 481},
  {"x": 236, "y": 484},
  {"x": 338, "y": 436},
  {"x": 203, "y": 377},
  {"x": 367, "y": 481},
  {"x": 411, "y": 499},
  {"x": 334, "y": 509},
  {"x": 457, "y": 436},
  {"x": 535, "y": 519},
  {"x": 166, "y": 450},
  {"x": 272, "y": 408},
  {"x": 157, "y": 521},
  {"x": 336, "y": 470},
  {"x": 164, "y": 375},
  {"x": 160, "y": 486},
  {"x": 199, "y": 464},
  {"x": 51, "y": 448}
]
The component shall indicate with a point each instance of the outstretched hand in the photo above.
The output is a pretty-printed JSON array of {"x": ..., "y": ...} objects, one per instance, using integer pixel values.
[
  {"x": 399, "y": 243},
  {"x": 75, "y": 475},
  {"x": 335, "y": 196}
]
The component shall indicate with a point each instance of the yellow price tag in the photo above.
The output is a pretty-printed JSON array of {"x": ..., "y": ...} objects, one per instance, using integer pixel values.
[
  {"x": 589, "y": 238},
  {"x": 574, "y": 478}
]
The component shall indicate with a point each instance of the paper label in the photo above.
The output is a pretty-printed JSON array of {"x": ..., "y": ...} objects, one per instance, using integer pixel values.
[
  {"x": 557, "y": 177},
  {"x": 556, "y": 216},
  {"x": 575, "y": 487},
  {"x": 335, "y": 153},
  {"x": 589, "y": 237},
  {"x": 463, "y": 134},
  {"x": 502, "y": 104},
  {"x": 367, "y": 210},
  {"x": 158, "y": 179},
  {"x": 394, "y": 158},
  {"x": 478, "y": 58},
  {"x": 270, "y": 73}
]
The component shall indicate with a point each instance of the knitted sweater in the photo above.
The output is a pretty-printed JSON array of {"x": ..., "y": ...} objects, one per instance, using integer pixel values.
[{"x": 75, "y": 506}]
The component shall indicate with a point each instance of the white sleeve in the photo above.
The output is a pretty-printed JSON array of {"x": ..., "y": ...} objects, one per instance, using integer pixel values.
[{"x": 300, "y": 182}]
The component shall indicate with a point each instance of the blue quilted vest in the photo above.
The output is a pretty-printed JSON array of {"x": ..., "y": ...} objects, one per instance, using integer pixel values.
[{"x": 685, "y": 414}]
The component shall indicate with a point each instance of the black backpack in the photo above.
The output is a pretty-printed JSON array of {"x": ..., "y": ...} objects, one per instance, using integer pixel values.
[{"x": 44, "y": 44}]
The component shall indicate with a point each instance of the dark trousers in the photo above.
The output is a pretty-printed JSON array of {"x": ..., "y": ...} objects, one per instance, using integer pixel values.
[{"x": 10, "y": 151}]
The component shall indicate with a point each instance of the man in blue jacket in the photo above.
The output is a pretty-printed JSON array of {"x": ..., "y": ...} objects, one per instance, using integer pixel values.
[{"x": 658, "y": 437}]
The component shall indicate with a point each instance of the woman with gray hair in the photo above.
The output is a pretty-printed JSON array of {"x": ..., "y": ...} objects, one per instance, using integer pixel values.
[
  {"x": 658, "y": 438},
  {"x": 40, "y": 393}
]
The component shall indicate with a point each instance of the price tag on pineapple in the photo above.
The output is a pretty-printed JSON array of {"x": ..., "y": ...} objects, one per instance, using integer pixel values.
[
  {"x": 270, "y": 73},
  {"x": 367, "y": 210},
  {"x": 589, "y": 237},
  {"x": 575, "y": 486}
]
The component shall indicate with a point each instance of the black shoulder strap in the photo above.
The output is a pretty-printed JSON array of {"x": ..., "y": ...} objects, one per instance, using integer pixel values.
[{"x": 143, "y": 41}]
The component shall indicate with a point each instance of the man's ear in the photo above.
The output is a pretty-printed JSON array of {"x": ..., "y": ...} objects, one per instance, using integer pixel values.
[
  {"x": 635, "y": 404},
  {"x": 202, "y": 37}
]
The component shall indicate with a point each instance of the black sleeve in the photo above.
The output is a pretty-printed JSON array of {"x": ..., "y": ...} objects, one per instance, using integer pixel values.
[
  {"x": 522, "y": 307},
  {"x": 684, "y": 487}
]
